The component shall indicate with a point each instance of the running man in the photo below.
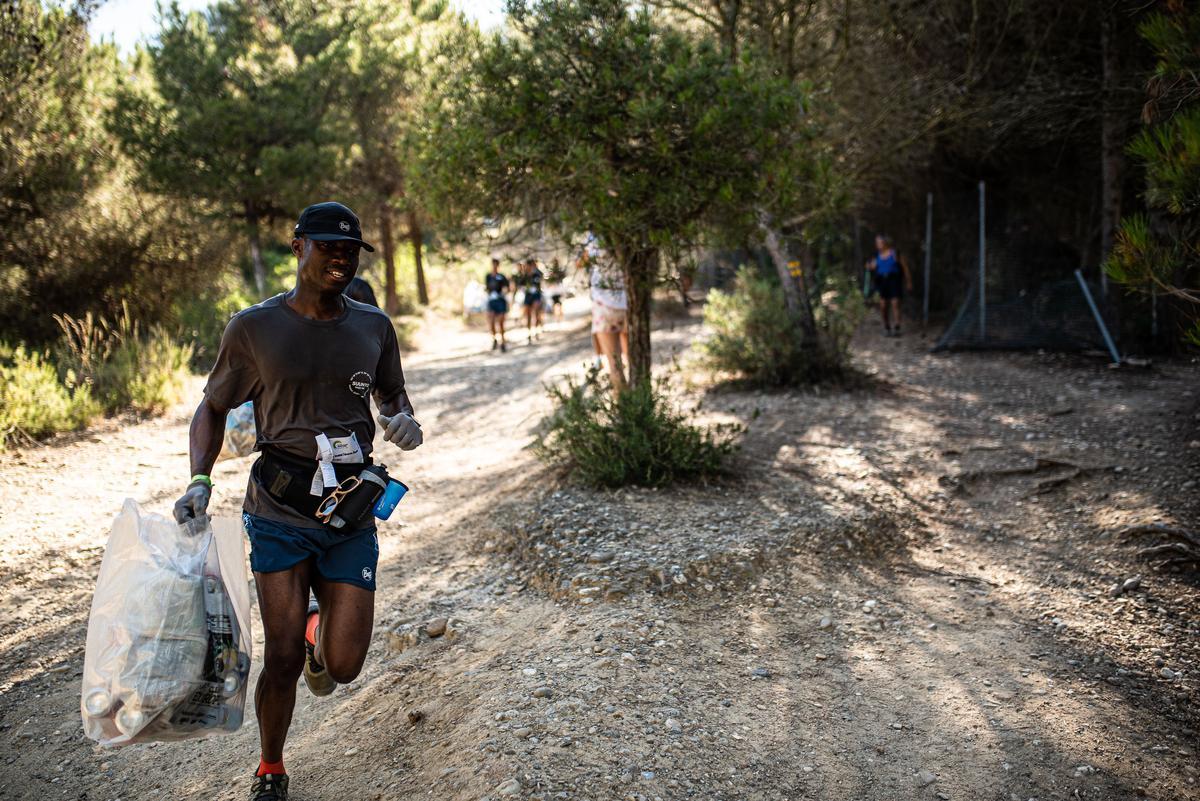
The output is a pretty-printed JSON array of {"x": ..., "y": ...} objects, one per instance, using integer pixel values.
[
  {"x": 496, "y": 283},
  {"x": 529, "y": 278},
  {"x": 891, "y": 279},
  {"x": 310, "y": 359}
]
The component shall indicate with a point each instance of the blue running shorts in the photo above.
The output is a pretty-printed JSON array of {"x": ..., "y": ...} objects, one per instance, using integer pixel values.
[{"x": 344, "y": 558}]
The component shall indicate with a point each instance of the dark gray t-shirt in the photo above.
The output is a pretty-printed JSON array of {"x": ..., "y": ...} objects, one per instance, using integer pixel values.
[{"x": 306, "y": 377}]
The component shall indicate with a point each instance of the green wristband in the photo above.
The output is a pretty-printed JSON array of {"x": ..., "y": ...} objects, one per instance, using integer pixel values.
[{"x": 201, "y": 478}]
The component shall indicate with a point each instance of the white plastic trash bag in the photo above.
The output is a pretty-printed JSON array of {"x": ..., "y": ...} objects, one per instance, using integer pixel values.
[
  {"x": 240, "y": 433},
  {"x": 474, "y": 298},
  {"x": 168, "y": 641}
]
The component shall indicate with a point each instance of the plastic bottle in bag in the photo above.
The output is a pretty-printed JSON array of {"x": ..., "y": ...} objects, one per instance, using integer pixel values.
[
  {"x": 168, "y": 648},
  {"x": 240, "y": 432}
]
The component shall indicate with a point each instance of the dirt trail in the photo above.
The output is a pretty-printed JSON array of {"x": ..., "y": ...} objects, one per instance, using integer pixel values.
[{"x": 892, "y": 599}]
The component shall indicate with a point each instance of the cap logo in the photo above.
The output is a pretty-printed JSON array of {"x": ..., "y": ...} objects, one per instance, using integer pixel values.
[{"x": 345, "y": 226}]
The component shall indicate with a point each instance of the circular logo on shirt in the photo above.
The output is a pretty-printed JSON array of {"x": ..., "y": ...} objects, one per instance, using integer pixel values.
[
  {"x": 367, "y": 573},
  {"x": 360, "y": 383}
]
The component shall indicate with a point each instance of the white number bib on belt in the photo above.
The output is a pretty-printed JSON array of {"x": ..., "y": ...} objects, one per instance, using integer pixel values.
[{"x": 338, "y": 450}]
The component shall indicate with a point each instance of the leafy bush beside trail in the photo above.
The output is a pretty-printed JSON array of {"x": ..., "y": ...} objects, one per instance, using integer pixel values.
[
  {"x": 126, "y": 368},
  {"x": 634, "y": 437},
  {"x": 202, "y": 317},
  {"x": 96, "y": 368},
  {"x": 35, "y": 402},
  {"x": 754, "y": 337}
]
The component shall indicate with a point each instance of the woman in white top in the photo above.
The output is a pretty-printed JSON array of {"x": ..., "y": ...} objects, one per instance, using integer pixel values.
[{"x": 609, "y": 325}]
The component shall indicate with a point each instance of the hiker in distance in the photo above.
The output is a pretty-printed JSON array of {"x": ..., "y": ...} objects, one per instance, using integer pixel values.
[
  {"x": 892, "y": 279},
  {"x": 310, "y": 359},
  {"x": 497, "y": 284}
]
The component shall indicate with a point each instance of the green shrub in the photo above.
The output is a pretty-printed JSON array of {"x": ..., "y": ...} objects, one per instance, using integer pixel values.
[
  {"x": 144, "y": 373},
  {"x": 34, "y": 402},
  {"x": 201, "y": 318},
  {"x": 635, "y": 437},
  {"x": 280, "y": 265},
  {"x": 125, "y": 368},
  {"x": 754, "y": 337}
]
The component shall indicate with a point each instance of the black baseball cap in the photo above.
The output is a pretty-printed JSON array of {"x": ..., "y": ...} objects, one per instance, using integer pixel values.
[{"x": 330, "y": 222}]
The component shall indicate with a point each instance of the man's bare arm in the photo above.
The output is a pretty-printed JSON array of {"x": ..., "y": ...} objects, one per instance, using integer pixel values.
[
  {"x": 204, "y": 444},
  {"x": 205, "y": 436}
]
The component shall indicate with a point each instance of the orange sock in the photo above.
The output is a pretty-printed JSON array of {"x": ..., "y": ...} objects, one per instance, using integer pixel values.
[
  {"x": 274, "y": 768},
  {"x": 310, "y": 629}
]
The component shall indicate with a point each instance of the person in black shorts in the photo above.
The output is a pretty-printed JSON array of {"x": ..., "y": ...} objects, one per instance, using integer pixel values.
[
  {"x": 311, "y": 359},
  {"x": 529, "y": 278},
  {"x": 496, "y": 283},
  {"x": 891, "y": 279}
]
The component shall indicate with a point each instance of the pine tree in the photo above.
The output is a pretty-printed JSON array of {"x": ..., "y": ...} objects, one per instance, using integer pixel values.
[{"x": 1159, "y": 250}]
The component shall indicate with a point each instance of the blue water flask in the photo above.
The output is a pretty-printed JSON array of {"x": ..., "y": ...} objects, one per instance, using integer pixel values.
[{"x": 391, "y": 496}]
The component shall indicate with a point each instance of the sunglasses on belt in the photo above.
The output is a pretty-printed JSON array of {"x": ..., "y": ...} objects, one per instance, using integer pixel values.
[{"x": 330, "y": 504}]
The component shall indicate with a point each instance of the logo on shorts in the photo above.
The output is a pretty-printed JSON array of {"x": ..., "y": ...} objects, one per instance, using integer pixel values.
[
  {"x": 360, "y": 383},
  {"x": 345, "y": 226},
  {"x": 367, "y": 574}
]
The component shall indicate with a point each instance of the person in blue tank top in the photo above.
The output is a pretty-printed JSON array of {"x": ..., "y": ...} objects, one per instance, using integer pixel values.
[{"x": 892, "y": 279}]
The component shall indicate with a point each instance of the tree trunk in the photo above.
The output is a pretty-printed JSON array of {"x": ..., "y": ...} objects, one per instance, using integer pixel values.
[
  {"x": 256, "y": 259},
  {"x": 416, "y": 237},
  {"x": 798, "y": 303},
  {"x": 1111, "y": 140},
  {"x": 391, "y": 301},
  {"x": 639, "y": 267}
]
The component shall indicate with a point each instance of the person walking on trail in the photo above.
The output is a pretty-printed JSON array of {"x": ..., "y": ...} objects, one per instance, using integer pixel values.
[
  {"x": 556, "y": 279},
  {"x": 609, "y": 327},
  {"x": 529, "y": 278},
  {"x": 310, "y": 359},
  {"x": 891, "y": 280},
  {"x": 497, "y": 284},
  {"x": 358, "y": 289}
]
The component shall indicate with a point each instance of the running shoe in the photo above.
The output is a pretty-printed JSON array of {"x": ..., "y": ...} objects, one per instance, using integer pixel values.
[
  {"x": 315, "y": 675},
  {"x": 269, "y": 787},
  {"x": 495, "y": 344},
  {"x": 503, "y": 347}
]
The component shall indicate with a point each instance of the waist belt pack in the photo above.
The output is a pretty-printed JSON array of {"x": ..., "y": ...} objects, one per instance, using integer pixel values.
[{"x": 289, "y": 479}]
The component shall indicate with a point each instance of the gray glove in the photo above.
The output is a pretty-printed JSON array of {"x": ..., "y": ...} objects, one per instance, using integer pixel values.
[
  {"x": 193, "y": 503},
  {"x": 402, "y": 430}
]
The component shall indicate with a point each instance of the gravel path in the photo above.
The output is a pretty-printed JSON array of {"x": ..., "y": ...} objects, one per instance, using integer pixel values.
[{"x": 906, "y": 591}]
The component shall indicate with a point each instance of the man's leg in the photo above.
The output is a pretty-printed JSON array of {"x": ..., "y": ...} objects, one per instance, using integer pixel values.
[
  {"x": 883, "y": 313},
  {"x": 344, "y": 634},
  {"x": 283, "y": 601},
  {"x": 895, "y": 304}
]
